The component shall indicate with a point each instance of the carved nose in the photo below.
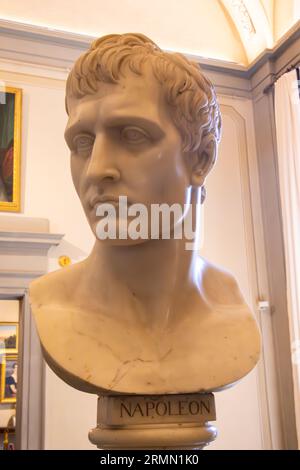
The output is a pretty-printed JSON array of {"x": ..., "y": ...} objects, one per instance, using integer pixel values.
[
  {"x": 111, "y": 174},
  {"x": 102, "y": 165},
  {"x": 100, "y": 172}
]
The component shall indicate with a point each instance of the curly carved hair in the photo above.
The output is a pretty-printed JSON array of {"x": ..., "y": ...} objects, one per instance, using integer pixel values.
[{"x": 191, "y": 96}]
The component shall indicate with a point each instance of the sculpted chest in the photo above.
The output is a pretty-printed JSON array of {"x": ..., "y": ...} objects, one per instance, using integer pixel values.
[{"x": 203, "y": 352}]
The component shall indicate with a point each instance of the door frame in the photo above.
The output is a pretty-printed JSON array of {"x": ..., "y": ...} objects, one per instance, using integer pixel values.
[{"x": 31, "y": 377}]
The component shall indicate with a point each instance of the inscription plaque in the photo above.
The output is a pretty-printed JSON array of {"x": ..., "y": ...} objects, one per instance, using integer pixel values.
[{"x": 114, "y": 410}]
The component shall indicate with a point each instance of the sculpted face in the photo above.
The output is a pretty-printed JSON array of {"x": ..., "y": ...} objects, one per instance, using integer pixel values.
[{"x": 124, "y": 143}]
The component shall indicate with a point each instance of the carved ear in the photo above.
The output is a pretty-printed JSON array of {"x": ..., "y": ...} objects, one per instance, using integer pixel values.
[{"x": 203, "y": 160}]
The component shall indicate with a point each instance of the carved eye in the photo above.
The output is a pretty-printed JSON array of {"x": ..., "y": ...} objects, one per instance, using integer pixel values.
[
  {"x": 134, "y": 135},
  {"x": 83, "y": 143}
]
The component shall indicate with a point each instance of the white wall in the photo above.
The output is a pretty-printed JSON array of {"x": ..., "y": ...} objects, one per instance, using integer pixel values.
[
  {"x": 198, "y": 27},
  {"x": 227, "y": 242},
  {"x": 9, "y": 310},
  {"x": 286, "y": 14},
  {"x": 48, "y": 193}
]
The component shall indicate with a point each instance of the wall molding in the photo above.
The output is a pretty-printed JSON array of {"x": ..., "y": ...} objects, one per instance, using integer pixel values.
[
  {"x": 265, "y": 132},
  {"x": 28, "y": 242},
  {"x": 250, "y": 209},
  {"x": 23, "y": 258},
  {"x": 49, "y": 52}
]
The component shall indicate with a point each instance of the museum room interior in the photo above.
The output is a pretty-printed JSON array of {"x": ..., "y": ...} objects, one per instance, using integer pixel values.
[{"x": 249, "y": 224}]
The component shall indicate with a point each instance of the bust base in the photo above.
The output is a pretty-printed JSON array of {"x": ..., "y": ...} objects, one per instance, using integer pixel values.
[{"x": 135, "y": 422}]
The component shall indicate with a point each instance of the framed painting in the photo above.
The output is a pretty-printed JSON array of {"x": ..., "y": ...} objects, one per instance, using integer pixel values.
[
  {"x": 10, "y": 148},
  {"x": 8, "y": 378},
  {"x": 9, "y": 336}
]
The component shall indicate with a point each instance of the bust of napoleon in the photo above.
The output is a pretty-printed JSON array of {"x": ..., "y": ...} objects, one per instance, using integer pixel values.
[{"x": 142, "y": 315}]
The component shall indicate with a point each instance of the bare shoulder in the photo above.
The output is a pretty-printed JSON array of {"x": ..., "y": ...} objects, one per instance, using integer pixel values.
[
  {"x": 55, "y": 286},
  {"x": 219, "y": 286}
]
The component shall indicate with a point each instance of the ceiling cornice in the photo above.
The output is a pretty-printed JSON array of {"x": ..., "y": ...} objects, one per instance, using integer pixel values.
[
  {"x": 15, "y": 29},
  {"x": 41, "y": 47}
]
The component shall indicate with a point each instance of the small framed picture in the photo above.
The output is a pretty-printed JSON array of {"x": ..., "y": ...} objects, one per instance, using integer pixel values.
[
  {"x": 9, "y": 336},
  {"x": 10, "y": 148},
  {"x": 8, "y": 378}
]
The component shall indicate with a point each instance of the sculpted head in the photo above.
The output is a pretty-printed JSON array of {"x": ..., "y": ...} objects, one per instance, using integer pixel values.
[{"x": 142, "y": 123}]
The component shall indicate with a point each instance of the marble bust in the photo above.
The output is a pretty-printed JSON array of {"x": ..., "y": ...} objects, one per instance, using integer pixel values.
[{"x": 142, "y": 316}]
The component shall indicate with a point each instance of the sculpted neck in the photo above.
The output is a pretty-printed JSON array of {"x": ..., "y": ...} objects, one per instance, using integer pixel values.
[{"x": 154, "y": 278}]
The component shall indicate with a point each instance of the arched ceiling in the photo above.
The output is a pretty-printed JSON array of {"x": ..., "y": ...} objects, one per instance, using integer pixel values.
[{"x": 230, "y": 30}]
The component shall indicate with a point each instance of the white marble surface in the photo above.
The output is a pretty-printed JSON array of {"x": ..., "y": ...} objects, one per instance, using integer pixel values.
[{"x": 143, "y": 316}]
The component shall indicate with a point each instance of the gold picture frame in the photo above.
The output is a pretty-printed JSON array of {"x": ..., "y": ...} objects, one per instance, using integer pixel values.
[
  {"x": 9, "y": 337},
  {"x": 8, "y": 371},
  {"x": 10, "y": 148}
]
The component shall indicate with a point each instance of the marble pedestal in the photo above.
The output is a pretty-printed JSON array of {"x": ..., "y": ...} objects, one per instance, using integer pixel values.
[{"x": 154, "y": 422}]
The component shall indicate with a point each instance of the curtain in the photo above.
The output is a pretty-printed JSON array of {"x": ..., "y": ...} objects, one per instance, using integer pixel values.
[{"x": 287, "y": 115}]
